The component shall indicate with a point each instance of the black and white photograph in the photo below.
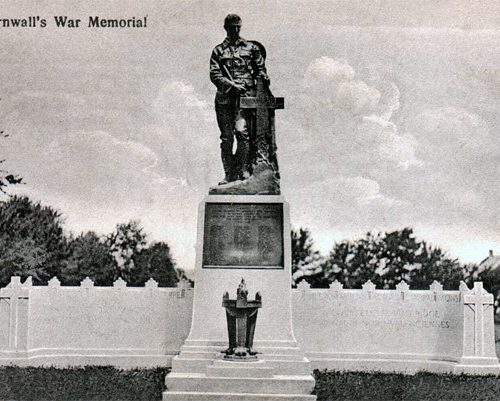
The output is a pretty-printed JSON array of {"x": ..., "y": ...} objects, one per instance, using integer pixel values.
[{"x": 245, "y": 200}]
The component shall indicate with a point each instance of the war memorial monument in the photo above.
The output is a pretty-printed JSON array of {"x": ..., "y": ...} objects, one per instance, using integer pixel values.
[
  {"x": 243, "y": 333},
  {"x": 243, "y": 234},
  {"x": 243, "y": 230}
]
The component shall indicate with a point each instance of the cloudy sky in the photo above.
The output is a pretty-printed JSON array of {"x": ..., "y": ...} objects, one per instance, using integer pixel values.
[{"x": 392, "y": 115}]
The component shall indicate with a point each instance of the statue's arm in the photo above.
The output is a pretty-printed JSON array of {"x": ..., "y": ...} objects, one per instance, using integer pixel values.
[
  {"x": 217, "y": 77},
  {"x": 260, "y": 64}
]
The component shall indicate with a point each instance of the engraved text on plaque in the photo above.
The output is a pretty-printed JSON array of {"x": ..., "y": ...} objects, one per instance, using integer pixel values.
[{"x": 241, "y": 235}]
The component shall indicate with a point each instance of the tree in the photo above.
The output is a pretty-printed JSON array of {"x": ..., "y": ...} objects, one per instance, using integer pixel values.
[
  {"x": 302, "y": 246},
  {"x": 32, "y": 242},
  {"x": 183, "y": 276},
  {"x": 386, "y": 259},
  {"x": 135, "y": 262},
  {"x": 432, "y": 263},
  {"x": 22, "y": 258},
  {"x": 125, "y": 244},
  {"x": 157, "y": 263},
  {"x": 352, "y": 262},
  {"x": 306, "y": 262},
  {"x": 490, "y": 277},
  {"x": 89, "y": 256},
  {"x": 7, "y": 178}
]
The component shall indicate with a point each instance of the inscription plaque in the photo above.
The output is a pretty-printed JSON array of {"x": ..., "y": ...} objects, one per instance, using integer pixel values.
[{"x": 243, "y": 236}]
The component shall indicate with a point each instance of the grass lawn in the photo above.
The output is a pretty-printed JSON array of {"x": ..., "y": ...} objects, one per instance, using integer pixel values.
[
  {"x": 90, "y": 383},
  {"x": 110, "y": 384},
  {"x": 357, "y": 386},
  {"x": 95, "y": 383}
]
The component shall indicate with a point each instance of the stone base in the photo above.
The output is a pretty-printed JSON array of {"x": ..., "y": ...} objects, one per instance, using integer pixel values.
[
  {"x": 281, "y": 371},
  {"x": 240, "y": 369},
  {"x": 478, "y": 366},
  {"x": 285, "y": 357},
  {"x": 66, "y": 358},
  {"x": 237, "y": 358},
  {"x": 408, "y": 364},
  {"x": 247, "y": 383},
  {"x": 263, "y": 181},
  {"x": 200, "y": 372},
  {"x": 200, "y": 396},
  {"x": 291, "y": 385}
]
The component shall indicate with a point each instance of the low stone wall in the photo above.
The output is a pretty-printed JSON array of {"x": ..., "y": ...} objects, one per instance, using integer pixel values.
[
  {"x": 361, "y": 330},
  {"x": 396, "y": 330},
  {"x": 87, "y": 325}
]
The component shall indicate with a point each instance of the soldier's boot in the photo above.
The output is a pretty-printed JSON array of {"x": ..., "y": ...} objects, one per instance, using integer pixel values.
[
  {"x": 242, "y": 161},
  {"x": 227, "y": 164}
]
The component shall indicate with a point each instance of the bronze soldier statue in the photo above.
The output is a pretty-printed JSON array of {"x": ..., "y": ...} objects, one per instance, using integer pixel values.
[{"x": 235, "y": 66}]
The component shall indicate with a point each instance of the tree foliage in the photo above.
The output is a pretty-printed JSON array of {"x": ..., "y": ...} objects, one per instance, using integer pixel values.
[
  {"x": 387, "y": 259},
  {"x": 32, "y": 242},
  {"x": 306, "y": 261},
  {"x": 125, "y": 244},
  {"x": 136, "y": 262},
  {"x": 7, "y": 178},
  {"x": 490, "y": 276},
  {"x": 89, "y": 256},
  {"x": 302, "y": 247},
  {"x": 156, "y": 262}
]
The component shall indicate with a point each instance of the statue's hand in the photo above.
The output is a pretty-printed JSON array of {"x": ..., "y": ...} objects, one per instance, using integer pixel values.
[
  {"x": 266, "y": 79},
  {"x": 239, "y": 88}
]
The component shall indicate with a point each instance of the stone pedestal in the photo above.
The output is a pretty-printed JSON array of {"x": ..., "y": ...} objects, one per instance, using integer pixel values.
[{"x": 242, "y": 236}]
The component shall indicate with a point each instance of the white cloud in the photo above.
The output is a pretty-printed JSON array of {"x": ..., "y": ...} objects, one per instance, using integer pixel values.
[
  {"x": 356, "y": 97},
  {"x": 178, "y": 103},
  {"x": 382, "y": 136},
  {"x": 398, "y": 128},
  {"x": 185, "y": 134},
  {"x": 347, "y": 204},
  {"x": 98, "y": 179},
  {"x": 453, "y": 133},
  {"x": 327, "y": 71},
  {"x": 352, "y": 112},
  {"x": 346, "y": 131}
]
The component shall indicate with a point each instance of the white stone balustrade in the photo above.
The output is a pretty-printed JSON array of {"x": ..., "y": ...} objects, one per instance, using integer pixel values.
[
  {"x": 400, "y": 330},
  {"x": 79, "y": 325},
  {"x": 368, "y": 329}
]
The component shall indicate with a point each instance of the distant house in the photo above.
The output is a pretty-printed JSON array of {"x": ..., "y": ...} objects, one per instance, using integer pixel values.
[
  {"x": 492, "y": 279},
  {"x": 492, "y": 261}
]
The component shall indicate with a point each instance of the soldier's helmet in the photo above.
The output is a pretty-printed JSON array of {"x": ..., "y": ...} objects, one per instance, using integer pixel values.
[{"x": 232, "y": 19}]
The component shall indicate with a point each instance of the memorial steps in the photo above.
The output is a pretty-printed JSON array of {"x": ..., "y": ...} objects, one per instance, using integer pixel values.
[
  {"x": 284, "y": 360},
  {"x": 191, "y": 396},
  {"x": 229, "y": 380},
  {"x": 199, "y": 372}
]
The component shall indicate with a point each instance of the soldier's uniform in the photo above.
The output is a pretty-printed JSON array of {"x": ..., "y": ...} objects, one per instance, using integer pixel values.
[{"x": 240, "y": 62}]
